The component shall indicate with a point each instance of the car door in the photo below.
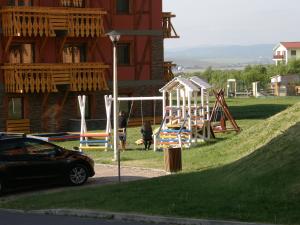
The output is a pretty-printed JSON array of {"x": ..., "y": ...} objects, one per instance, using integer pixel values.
[
  {"x": 46, "y": 160},
  {"x": 14, "y": 161}
]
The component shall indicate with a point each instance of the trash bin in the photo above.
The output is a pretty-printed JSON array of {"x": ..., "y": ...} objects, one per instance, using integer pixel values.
[{"x": 173, "y": 161}]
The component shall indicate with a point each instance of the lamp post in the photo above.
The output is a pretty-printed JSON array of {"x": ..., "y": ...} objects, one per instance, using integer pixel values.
[{"x": 115, "y": 37}]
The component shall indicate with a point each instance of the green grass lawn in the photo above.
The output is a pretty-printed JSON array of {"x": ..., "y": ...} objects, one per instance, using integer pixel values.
[{"x": 253, "y": 176}]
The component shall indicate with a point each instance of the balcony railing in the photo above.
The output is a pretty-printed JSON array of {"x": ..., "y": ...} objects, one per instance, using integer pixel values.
[
  {"x": 42, "y": 78},
  {"x": 168, "y": 73},
  {"x": 278, "y": 56},
  {"x": 168, "y": 28},
  {"x": 45, "y": 21}
]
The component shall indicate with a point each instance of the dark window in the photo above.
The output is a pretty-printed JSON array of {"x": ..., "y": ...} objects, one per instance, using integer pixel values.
[
  {"x": 293, "y": 52},
  {"x": 20, "y": 2},
  {"x": 74, "y": 54},
  {"x": 36, "y": 147},
  {"x": 124, "y": 54},
  {"x": 15, "y": 108},
  {"x": 123, "y": 6}
]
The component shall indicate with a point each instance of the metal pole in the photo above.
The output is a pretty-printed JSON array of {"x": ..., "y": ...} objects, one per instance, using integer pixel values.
[{"x": 116, "y": 110}]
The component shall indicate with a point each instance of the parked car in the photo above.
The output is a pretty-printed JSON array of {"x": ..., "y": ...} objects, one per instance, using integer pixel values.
[{"x": 26, "y": 160}]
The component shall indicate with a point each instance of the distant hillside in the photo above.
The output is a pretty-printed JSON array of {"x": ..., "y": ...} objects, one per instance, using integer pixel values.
[{"x": 221, "y": 56}]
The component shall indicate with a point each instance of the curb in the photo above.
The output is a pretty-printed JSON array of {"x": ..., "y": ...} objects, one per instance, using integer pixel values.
[{"x": 127, "y": 217}]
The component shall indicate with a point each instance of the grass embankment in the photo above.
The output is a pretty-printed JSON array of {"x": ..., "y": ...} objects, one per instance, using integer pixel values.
[{"x": 258, "y": 179}]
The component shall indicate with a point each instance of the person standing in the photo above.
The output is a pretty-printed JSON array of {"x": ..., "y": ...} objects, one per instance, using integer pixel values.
[
  {"x": 147, "y": 133},
  {"x": 122, "y": 129}
]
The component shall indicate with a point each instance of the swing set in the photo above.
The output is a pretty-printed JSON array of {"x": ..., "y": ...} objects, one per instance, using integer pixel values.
[
  {"x": 102, "y": 141},
  {"x": 108, "y": 106},
  {"x": 221, "y": 113},
  {"x": 91, "y": 141}
]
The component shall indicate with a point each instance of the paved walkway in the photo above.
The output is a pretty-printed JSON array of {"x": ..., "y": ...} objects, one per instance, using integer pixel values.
[{"x": 108, "y": 174}]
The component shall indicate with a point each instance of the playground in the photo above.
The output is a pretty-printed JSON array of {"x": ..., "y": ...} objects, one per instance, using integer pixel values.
[{"x": 248, "y": 112}]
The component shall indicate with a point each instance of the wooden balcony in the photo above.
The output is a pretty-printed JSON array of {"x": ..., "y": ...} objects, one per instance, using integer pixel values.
[
  {"x": 42, "y": 78},
  {"x": 168, "y": 73},
  {"x": 168, "y": 28},
  {"x": 46, "y": 21}
]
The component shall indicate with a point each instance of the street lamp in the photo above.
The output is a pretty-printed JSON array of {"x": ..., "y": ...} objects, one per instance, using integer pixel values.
[{"x": 115, "y": 37}]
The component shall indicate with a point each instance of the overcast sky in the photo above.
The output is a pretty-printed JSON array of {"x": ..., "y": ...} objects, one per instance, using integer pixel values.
[{"x": 226, "y": 22}]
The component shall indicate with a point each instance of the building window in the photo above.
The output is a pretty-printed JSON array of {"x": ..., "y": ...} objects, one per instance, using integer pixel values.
[
  {"x": 73, "y": 3},
  {"x": 124, "y": 55},
  {"x": 293, "y": 53},
  {"x": 123, "y": 6},
  {"x": 23, "y": 53},
  {"x": 74, "y": 54},
  {"x": 15, "y": 108},
  {"x": 20, "y": 2}
]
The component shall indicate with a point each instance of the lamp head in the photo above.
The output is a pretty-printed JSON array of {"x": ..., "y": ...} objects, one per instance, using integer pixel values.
[{"x": 114, "y": 36}]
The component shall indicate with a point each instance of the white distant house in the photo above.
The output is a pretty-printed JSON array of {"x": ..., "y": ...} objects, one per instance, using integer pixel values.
[{"x": 286, "y": 51}]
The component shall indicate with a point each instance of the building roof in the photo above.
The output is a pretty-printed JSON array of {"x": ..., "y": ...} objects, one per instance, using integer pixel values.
[
  {"x": 291, "y": 44},
  {"x": 181, "y": 82},
  {"x": 200, "y": 83}
]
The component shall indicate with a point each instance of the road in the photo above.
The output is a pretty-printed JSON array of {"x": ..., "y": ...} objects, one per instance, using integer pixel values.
[{"x": 9, "y": 218}]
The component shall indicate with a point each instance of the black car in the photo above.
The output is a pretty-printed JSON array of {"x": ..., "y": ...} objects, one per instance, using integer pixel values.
[{"x": 26, "y": 160}]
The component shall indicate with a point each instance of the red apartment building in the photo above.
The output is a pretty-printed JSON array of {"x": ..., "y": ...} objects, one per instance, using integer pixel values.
[{"x": 54, "y": 50}]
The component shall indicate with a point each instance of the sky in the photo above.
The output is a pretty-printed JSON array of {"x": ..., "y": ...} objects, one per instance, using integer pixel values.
[{"x": 237, "y": 22}]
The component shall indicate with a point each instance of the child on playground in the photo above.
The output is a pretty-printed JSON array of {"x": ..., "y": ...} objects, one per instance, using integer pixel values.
[
  {"x": 147, "y": 132},
  {"x": 122, "y": 127}
]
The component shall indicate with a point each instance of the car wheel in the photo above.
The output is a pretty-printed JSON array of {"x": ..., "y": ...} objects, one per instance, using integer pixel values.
[{"x": 78, "y": 174}]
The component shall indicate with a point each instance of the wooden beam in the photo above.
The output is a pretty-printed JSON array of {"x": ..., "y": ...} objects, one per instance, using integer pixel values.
[
  {"x": 61, "y": 47},
  {"x": 42, "y": 46},
  {"x": 7, "y": 45}
]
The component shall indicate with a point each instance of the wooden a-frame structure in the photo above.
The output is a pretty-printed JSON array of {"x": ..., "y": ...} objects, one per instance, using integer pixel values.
[{"x": 221, "y": 106}]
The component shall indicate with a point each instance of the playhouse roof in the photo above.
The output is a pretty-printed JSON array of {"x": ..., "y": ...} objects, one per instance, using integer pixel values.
[
  {"x": 181, "y": 82},
  {"x": 200, "y": 83}
]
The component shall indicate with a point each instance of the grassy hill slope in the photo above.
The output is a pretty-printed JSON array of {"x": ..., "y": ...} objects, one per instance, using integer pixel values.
[{"x": 257, "y": 179}]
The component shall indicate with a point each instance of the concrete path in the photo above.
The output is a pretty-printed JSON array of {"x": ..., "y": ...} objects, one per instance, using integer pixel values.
[{"x": 108, "y": 174}]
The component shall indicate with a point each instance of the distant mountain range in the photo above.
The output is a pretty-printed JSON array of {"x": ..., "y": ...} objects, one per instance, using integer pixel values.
[{"x": 230, "y": 56}]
